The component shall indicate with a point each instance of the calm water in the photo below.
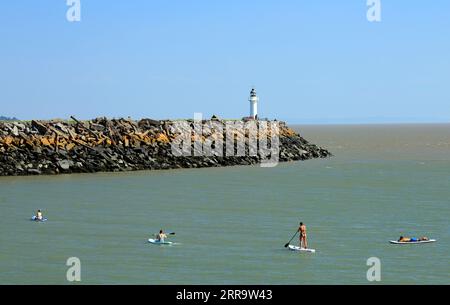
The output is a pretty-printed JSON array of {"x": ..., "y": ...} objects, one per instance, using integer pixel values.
[{"x": 232, "y": 223}]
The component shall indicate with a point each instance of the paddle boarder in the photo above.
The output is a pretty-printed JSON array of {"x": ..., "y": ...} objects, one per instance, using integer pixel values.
[
  {"x": 413, "y": 239},
  {"x": 161, "y": 236},
  {"x": 39, "y": 215},
  {"x": 303, "y": 237}
]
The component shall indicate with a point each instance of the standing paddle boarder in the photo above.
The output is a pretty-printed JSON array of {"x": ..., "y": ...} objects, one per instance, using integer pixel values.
[{"x": 303, "y": 241}]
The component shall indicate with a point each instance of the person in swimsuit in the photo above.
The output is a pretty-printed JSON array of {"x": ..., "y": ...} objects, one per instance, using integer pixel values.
[
  {"x": 161, "y": 236},
  {"x": 39, "y": 215},
  {"x": 303, "y": 237},
  {"x": 404, "y": 239},
  {"x": 412, "y": 239}
]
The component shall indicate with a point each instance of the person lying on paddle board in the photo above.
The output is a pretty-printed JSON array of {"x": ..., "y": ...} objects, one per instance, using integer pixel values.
[
  {"x": 39, "y": 215},
  {"x": 412, "y": 239},
  {"x": 303, "y": 237},
  {"x": 161, "y": 236}
]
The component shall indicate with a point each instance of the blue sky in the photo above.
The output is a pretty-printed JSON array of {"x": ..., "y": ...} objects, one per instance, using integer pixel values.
[{"x": 315, "y": 61}]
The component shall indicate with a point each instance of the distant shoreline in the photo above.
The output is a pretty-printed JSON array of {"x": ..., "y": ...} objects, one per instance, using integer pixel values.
[{"x": 7, "y": 119}]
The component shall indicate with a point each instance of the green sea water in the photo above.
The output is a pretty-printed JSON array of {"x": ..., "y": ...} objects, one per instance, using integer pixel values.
[{"x": 231, "y": 223}]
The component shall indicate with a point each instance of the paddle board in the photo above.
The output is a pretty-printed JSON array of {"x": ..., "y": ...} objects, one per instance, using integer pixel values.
[
  {"x": 394, "y": 242},
  {"x": 34, "y": 218},
  {"x": 157, "y": 242},
  {"x": 296, "y": 248}
]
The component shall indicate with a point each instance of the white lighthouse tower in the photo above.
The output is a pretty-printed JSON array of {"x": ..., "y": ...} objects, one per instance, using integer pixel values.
[{"x": 253, "y": 104}]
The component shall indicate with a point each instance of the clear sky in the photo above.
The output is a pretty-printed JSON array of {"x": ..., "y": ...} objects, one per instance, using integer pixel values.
[{"x": 315, "y": 61}]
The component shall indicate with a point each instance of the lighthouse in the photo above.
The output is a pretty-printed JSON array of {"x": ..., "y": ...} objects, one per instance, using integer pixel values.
[{"x": 253, "y": 104}]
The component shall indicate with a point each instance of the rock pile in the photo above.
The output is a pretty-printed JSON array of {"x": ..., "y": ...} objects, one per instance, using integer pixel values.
[{"x": 103, "y": 145}]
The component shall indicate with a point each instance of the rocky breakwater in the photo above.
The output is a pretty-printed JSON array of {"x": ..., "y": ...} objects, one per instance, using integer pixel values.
[{"x": 103, "y": 145}]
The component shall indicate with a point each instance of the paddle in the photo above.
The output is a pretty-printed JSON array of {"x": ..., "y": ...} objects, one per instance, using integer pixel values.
[
  {"x": 286, "y": 245},
  {"x": 171, "y": 233}
]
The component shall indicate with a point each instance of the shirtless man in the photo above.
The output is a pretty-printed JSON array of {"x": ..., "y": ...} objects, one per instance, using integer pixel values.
[{"x": 303, "y": 241}]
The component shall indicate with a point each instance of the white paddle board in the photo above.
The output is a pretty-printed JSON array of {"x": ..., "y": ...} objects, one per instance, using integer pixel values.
[
  {"x": 296, "y": 248},
  {"x": 394, "y": 242},
  {"x": 158, "y": 242},
  {"x": 34, "y": 218}
]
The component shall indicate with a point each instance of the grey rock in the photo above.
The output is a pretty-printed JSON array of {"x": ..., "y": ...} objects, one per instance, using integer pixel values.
[
  {"x": 33, "y": 171},
  {"x": 64, "y": 164},
  {"x": 15, "y": 131}
]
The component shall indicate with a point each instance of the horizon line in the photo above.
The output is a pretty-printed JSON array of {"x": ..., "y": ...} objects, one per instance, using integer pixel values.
[{"x": 289, "y": 121}]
